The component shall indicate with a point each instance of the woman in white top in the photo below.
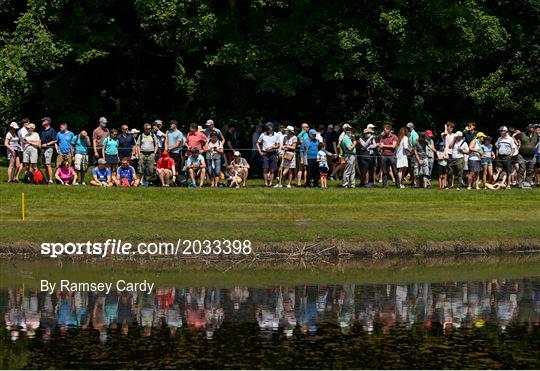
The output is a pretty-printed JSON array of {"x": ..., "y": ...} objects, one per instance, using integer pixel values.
[
  {"x": 13, "y": 146},
  {"x": 30, "y": 144},
  {"x": 401, "y": 152},
  {"x": 214, "y": 150}
]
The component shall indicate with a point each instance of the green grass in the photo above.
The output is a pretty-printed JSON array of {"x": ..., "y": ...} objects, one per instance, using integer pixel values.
[{"x": 59, "y": 214}]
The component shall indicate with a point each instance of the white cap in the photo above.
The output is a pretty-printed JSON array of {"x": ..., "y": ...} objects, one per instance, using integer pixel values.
[
  {"x": 209, "y": 122},
  {"x": 503, "y": 128},
  {"x": 290, "y": 128},
  {"x": 410, "y": 125},
  {"x": 347, "y": 126},
  {"x": 458, "y": 134},
  {"x": 236, "y": 153},
  {"x": 102, "y": 120},
  {"x": 371, "y": 126},
  {"x": 14, "y": 125},
  {"x": 134, "y": 131}
]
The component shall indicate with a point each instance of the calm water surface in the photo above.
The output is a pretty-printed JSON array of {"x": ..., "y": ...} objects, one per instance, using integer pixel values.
[{"x": 491, "y": 324}]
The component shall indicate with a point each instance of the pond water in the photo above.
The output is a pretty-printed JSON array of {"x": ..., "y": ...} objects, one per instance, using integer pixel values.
[{"x": 484, "y": 324}]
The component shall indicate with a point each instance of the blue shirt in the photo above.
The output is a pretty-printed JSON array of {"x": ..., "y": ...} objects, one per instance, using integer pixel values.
[
  {"x": 101, "y": 174},
  {"x": 125, "y": 145},
  {"x": 311, "y": 147},
  {"x": 111, "y": 146},
  {"x": 63, "y": 140},
  {"x": 172, "y": 138},
  {"x": 80, "y": 145},
  {"x": 126, "y": 173},
  {"x": 47, "y": 136}
]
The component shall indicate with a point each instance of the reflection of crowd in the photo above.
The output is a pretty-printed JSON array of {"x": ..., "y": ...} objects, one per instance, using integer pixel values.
[{"x": 277, "y": 310}]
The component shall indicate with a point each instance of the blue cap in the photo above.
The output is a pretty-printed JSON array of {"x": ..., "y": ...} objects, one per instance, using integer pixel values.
[{"x": 312, "y": 132}]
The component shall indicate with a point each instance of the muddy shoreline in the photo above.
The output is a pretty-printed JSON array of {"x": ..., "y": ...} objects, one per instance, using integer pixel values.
[{"x": 332, "y": 250}]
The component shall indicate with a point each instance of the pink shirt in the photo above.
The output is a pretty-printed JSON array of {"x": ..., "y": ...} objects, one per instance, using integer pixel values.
[
  {"x": 65, "y": 174},
  {"x": 197, "y": 140}
]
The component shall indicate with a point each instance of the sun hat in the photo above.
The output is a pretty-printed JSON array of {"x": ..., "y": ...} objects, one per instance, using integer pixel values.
[
  {"x": 429, "y": 133},
  {"x": 368, "y": 130},
  {"x": 102, "y": 161},
  {"x": 480, "y": 135},
  {"x": 236, "y": 153},
  {"x": 209, "y": 122},
  {"x": 458, "y": 134},
  {"x": 14, "y": 125},
  {"x": 312, "y": 132},
  {"x": 503, "y": 128},
  {"x": 32, "y": 126},
  {"x": 102, "y": 120}
]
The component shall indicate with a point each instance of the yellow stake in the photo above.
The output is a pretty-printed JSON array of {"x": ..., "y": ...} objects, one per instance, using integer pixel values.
[{"x": 22, "y": 209}]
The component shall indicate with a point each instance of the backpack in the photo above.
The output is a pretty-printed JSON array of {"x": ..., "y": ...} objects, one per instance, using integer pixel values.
[
  {"x": 38, "y": 177},
  {"x": 28, "y": 177}
]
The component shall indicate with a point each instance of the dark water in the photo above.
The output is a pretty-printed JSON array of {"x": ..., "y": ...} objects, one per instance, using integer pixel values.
[{"x": 493, "y": 324}]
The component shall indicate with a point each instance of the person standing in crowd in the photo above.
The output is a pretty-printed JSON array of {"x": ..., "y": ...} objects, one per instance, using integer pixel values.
[
  {"x": 387, "y": 145},
  {"x": 80, "y": 144},
  {"x": 195, "y": 138},
  {"x": 311, "y": 148},
  {"x": 13, "y": 147},
  {"x": 402, "y": 163},
  {"x": 63, "y": 144},
  {"x": 421, "y": 163},
  {"x": 430, "y": 151},
  {"x": 487, "y": 160},
  {"x": 267, "y": 145},
  {"x": 126, "y": 175},
  {"x": 239, "y": 169},
  {"x": 528, "y": 140},
  {"x": 166, "y": 169},
  {"x": 289, "y": 156},
  {"x": 196, "y": 167},
  {"x": 31, "y": 142},
  {"x": 210, "y": 127},
  {"x": 302, "y": 160},
  {"x": 442, "y": 160},
  {"x": 506, "y": 148},
  {"x": 322, "y": 160},
  {"x": 98, "y": 136},
  {"x": 48, "y": 143},
  {"x": 413, "y": 138},
  {"x": 348, "y": 150},
  {"x": 475, "y": 159},
  {"x": 110, "y": 151},
  {"x": 456, "y": 167},
  {"x": 126, "y": 143},
  {"x": 232, "y": 142},
  {"x": 214, "y": 151},
  {"x": 448, "y": 137},
  {"x": 147, "y": 147},
  {"x": 367, "y": 145},
  {"x": 23, "y": 131},
  {"x": 65, "y": 174},
  {"x": 174, "y": 143},
  {"x": 101, "y": 175},
  {"x": 255, "y": 158},
  {"x": 330, "y": 139},
  {"x": 160, "y": 136}
]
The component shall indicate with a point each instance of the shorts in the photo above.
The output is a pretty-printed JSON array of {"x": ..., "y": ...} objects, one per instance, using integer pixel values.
[
  {"x": 111, "y": 159},
  {"x": 323, "y": 171},
  {"x": 80, "y": 162},
  {"x": 270, "y": 161},
  {"x": 17, "y": 155},
  {"x": 289, "y": 164},
  {"x": 475, "y": 166},
  {"x": 421, "y": 170},
  {"x": 487, "y": 161},
  {"x": 443, "y": 168},
  {"x": 47, "y": 155},
  {"x": 61, "y": 158},
  {"x": 30, "y": 155}
]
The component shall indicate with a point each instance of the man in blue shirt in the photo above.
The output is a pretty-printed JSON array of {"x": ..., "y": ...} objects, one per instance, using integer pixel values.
[
  {"x": 174, "y": 143},
  {"x": 48, "y": 141},
  {"x": 311, "y": 149},
  {"x": 101, "y": 175},
  {"x": 63, "y": 144},
  {"x": 126, "y": 143}
]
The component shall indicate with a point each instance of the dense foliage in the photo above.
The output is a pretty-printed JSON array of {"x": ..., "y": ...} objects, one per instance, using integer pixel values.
[{"x": 360, "y": 61}]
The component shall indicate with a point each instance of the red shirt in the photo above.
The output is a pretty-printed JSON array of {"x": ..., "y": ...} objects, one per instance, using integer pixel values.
[
  {"x": 165, "y": 163},
  {"x": 197, "y": 140},
  {"x": 388, "y": 141}
]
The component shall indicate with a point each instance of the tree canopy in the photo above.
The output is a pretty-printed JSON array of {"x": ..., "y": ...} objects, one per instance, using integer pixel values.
[{"x": 426, "y": 61}]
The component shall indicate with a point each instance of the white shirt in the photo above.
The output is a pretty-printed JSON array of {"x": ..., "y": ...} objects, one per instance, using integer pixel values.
[
  {"x": 459, "y": 147},
  {"x": 13, "y": 141},
  {"x": 506, "y": 145},
  {"x": 268, "y": 140},
  {"x": 34, "y": 137}
]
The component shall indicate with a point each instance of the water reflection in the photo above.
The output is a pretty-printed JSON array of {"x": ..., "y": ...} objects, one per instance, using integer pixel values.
[{"x": 302, "y": 312}]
